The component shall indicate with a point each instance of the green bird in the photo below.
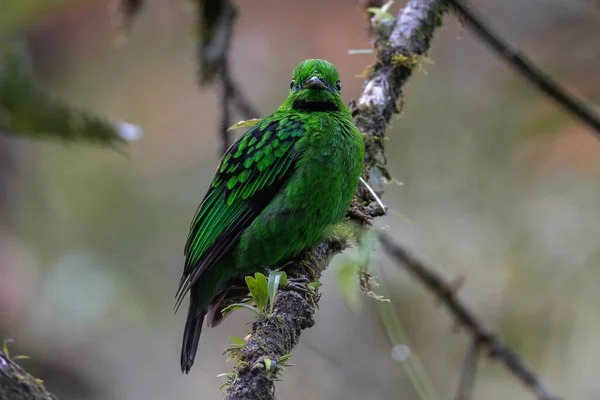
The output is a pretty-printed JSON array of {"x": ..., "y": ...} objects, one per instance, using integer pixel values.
[{"x": 277, "y": 191}]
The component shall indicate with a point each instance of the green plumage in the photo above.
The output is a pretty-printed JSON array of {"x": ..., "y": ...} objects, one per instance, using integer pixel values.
[{"x": 276, "y": 192}]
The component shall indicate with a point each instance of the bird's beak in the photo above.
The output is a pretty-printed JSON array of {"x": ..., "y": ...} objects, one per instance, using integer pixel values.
[{"x": 314, "y": 82}]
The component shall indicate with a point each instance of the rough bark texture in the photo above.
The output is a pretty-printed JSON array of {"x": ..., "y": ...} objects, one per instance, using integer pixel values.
[
  {"x": 16, "y": 384},
  {"x": 259, "y": 362}
]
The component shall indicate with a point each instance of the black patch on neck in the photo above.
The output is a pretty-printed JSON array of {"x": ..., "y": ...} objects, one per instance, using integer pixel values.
[{"x": 315, "y": 105}]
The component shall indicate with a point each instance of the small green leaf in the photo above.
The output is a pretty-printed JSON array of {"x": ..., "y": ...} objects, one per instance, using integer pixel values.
[
  {"x": 284, "y": 279},
  {"x": 5, "y": 346},
  {"x": 235, "y": 306},
  {"x": 21, "y": 357},
  {"x": 285, "y": 357},
  {"x": 243, "y": 124},
  {"x": 258, "y": 290},
  {"x": 230, "y": 308},
  {"x": 261, "y": 292},
  {"x": 261, "y": 281},
  {"x": 382, "y": 12},
  {"x": 225, "y": 374},
  {"x": 274, "y": 281},
  {"x": 312, "y": 286},
  {"x": 237, "y": 341},
  {"x": 252, "y": 287}
]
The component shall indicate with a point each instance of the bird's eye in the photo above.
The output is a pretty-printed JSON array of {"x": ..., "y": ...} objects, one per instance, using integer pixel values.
[
  {"x": 338, "y": 86},
  {"x": 292, "y": 83}
]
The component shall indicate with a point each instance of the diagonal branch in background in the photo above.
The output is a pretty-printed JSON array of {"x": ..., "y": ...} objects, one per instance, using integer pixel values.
[
  {"x": 215, "y": 25},
  {"x": 482, "y": 337},
  {"x": 273, "y": 337},
  {"x": 526, "y": 68}
]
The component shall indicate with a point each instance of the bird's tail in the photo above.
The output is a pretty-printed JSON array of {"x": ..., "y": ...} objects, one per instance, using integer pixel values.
[{"x": 191, "y": 337}]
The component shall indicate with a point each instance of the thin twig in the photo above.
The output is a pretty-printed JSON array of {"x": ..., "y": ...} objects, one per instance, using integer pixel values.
[
  {"x": 276, "y": 335},
  {"x": 216, "y": 20},
  {"x": 226, "y": 95},
  {"x": 467, "y": 377},
  {"x": 487, "y": 339},
  {"x": 241, "y": 102},
  {"x": 526, "y": 68},
  {"x": 232, "y": 96}
]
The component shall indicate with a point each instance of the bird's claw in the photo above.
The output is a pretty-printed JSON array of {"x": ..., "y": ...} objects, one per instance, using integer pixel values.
[
  {"x": 356, "y": 214},
  {"x": 298, "y": 284},
  {"x": 335, "y": 241}
]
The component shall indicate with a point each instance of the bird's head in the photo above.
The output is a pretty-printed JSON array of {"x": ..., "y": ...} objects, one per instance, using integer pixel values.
[{"x": 315, "y": 86}]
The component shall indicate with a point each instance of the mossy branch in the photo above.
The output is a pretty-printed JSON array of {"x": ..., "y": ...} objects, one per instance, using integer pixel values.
[
  {"x": 274, "y": 337},
  {"x": 16, "y": 384}
]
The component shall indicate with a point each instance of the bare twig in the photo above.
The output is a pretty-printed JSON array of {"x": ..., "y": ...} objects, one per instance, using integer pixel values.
[
  {"x": 485, "y": 338},
  {"x": 467, "y": 377},
  {"x": 241, "y": 102},
  {"x": 226, "y": 95},
  {"x": 215, "y": 23},
  {"x": 258, "y": 363},
  {"x": 526, "y": 68},
  {"x": 232, "y": 97}
]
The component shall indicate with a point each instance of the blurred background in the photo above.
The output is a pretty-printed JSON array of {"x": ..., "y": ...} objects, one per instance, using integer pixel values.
[{"x": 499, "y": 186}]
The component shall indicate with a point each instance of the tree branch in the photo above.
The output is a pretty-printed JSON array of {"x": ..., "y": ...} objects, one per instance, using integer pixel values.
[
  {"x": 215, "y": 24},
  {"x": 16, "y": 384},
  {"x": 259, "y": 361},
  {"x": 484, "y": 338},
  {"x": 544, "y": 82}
]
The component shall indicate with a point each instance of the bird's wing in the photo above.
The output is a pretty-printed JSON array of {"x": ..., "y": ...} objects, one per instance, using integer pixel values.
[{"x": 249, "y": 175}]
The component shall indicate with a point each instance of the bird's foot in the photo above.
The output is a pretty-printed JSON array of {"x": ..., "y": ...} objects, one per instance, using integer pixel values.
[
  {"x": 336, "y": 241},
  {"x": 268, "y": 270},
  {"x": 298, "y": 284},
  {"x": 358, "y": 215}
]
